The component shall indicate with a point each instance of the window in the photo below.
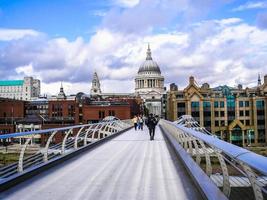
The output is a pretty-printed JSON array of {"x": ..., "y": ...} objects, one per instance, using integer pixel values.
[
  {"x": 180, "y": 109},
  {"x": 260, "y": 104},
  {"x": 222, "y": 113},
  {"x": 246, "y": 103},
  {"x": 241, "y": 113},
  {"x": 231, "y": 102},
  {"x": 222, "y": 123},
  {"x": 80, "y": 119},
  {"x": 241, "y": 103},
  {"x": 206, "y": 104},
  {"x": 216, "y": 113},
  {"x": 179, "y": 96},
  {"x": 216, "y": 104},
  {"x": 247, "y": 122},
  {"x": 216, "y": 123},
  {"x": 180, "y": 105},
  {"x": 194, "y": 104},
  {"x": 111, "y": 113},
  {"x": 101, "y": 114},
  {"x": 222, "y": 104},
  {"x": 247, "y": 112}
]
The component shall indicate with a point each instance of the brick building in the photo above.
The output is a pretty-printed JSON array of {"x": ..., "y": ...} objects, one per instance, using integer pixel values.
[
  {"x": 96, "y": 111},
  {"x": 10, "y": 111},
  {"x": 61, "y": 111},
  {"x": 232, "y": 113}
]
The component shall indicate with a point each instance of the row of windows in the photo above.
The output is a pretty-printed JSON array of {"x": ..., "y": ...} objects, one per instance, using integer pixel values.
[
  {"x": 220, "y": 104},
  {"x": 217, "y": 103},
  {"x": 222, "y": 123},
  {"x": 13, "y": 90},
  {"x": 221, "y": 114},
  {"x": 243, "y": 103},
  {"x": 10, "y": 87},
  {"x": 101, "y": 113},
  {"x": 217, "y": 113},
  {"x": 241, "y": 113}
]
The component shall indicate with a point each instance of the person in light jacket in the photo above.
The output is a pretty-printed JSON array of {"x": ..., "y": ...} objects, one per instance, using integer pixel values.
[{"x": 135, "y": 120}]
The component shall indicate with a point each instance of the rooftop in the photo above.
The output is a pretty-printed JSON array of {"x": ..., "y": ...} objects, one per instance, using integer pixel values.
[{"x": 11, "y": 83}]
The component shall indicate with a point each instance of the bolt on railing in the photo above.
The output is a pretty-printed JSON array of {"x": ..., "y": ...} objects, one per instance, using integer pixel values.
[
  {"x": 238, "y": 172},
  {"x": 72, "y": 138}
]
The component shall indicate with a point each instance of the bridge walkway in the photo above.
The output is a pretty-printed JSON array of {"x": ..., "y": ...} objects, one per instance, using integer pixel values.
[{"x": 129, "y": 166}]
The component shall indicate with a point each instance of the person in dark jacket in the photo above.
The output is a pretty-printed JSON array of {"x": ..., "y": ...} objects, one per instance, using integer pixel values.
[{"x": 151, "y": 123}]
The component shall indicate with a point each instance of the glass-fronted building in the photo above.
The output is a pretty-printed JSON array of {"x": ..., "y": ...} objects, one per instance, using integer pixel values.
[{"x": 232, "y": 113}]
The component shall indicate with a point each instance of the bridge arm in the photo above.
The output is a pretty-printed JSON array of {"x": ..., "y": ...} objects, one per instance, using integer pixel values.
[
  {"x": 205, "y": 185},
  {"x": 64, "y": 140},
  {"x": 22, "y": 152},
  {"x": 47, "y": 146},
  {"x": 77, "y": 137}
]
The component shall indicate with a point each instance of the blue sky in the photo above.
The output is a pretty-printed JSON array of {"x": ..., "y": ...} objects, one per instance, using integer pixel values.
[{"x": 66, "y": 40}]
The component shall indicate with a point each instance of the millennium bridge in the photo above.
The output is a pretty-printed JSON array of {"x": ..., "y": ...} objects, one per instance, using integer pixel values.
[{"x": 110, "y": 160}]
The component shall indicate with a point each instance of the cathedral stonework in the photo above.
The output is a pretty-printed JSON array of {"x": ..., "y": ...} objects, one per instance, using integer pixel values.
[
  {"x": 95, "y": 89},
  {"x": 149, "y": 84}
]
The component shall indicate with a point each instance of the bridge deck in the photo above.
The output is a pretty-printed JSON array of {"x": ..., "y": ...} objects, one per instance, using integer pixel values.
[{"x": 129, "y": 166}]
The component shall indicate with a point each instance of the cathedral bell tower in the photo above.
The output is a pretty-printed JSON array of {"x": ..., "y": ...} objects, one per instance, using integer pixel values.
[{"x": 95, "y": 89}]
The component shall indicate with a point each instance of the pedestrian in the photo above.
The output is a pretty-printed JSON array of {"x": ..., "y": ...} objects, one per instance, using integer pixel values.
[
  {"x": 138, "y": 122},
  {"x": 141, "y": 122},
  {"x": 134, "y": 120},
  {"x": 151, "y": 123}
]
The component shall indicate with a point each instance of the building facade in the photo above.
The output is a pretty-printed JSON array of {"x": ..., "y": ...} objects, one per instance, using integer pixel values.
[
  {"x": 149, "y": 84},
  {"x": 235, "y": 114},
  {"x": 26, "y": 89}
]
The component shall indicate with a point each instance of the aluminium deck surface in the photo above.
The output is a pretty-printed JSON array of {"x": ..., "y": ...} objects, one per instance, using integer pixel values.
[{"x": 129, "y": 166}]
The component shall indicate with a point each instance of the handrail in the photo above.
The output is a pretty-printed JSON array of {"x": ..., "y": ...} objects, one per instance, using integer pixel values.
[
  {"x": 45, "y": 131},
  {"x": 250, "y": 158},
  {"x": 82, "y": 138},
  {"x": 238, "y": 167}
]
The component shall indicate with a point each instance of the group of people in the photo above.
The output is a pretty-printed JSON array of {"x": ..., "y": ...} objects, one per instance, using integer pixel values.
[
  {"x": 151, "y": 122},
  {"x": 138, "y": 122}
]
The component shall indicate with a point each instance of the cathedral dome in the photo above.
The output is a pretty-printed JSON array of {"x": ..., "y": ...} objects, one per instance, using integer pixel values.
[{"x": 149, "y": 66}]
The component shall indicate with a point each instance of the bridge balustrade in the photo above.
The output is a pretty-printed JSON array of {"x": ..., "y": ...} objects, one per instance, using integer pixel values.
[
  {"x": 73, "y": 138},
  {"x": 238, "y": 172}
]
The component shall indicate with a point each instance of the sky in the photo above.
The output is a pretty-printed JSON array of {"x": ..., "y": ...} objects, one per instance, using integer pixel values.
[{"x": 222, "y": 42}]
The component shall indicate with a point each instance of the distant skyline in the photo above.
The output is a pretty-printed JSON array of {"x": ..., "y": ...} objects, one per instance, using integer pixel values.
[{"x": 219, "y": 42}]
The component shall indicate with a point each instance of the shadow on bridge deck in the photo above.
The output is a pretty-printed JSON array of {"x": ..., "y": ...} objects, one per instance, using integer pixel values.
[{"x": 129, "y": 166}]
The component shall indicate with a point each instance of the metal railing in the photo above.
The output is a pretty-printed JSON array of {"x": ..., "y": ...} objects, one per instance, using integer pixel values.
[
  {"x": 71, "y": 139},
  {"x": 238, "y": 172}
]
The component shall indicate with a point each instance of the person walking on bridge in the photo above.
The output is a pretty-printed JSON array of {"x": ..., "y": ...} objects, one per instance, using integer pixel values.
[
  {"x": 140, "y": 122},
  {"x": 151, "y": 123},
  {"x": 135, "y": 120}
]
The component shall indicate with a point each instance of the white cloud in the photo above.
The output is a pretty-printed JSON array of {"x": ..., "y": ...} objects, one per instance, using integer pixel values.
[
  {"x": 229, "y": 21},
  {"x": 226, "y": 51},
  {"x": 126, "y": 3},
  {"x": 251, "y": 5},
  {"x": 26, "y": 69},
  {"x": 117, "y": 86},
  {"x": 15, "y": 34}
]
